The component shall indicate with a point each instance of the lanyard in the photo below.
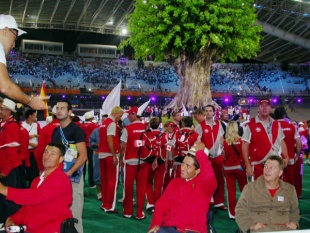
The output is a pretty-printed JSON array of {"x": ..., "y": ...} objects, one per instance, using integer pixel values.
[{"x": 63, "y": 138}]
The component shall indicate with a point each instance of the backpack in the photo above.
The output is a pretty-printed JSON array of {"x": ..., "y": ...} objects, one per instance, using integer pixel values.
[
  {"x": 182, "y": 144},
  {"x": 151, "y": 146}
]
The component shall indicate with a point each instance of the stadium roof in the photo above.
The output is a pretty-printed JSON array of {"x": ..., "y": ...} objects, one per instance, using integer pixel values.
[{"x": 285, "y": 23}]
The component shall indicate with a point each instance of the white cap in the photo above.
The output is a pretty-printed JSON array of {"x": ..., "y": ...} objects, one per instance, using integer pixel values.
[
  {"x": 49, "y": 119},
  {"x": 54, "y": 110},
  {"x": 9, "y": 21},
  {"x": 9, "y": 104},
  {"x": 89, "y": 115}
]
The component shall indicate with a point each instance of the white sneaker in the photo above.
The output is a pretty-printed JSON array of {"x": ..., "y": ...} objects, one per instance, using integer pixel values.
[
  {"x": 2, "y": 228},
  {"x": 99, "y": 196}
]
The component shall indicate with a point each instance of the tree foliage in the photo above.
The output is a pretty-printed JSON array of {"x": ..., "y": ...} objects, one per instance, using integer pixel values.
[
  {"x": 170, "y": 27},
  {"x": 196, "y": 33}
]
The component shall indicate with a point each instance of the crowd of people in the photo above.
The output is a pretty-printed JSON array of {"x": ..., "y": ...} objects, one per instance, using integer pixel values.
[
  {"x": 99, "y": 73},
  {"x": 159, "y": 159}
]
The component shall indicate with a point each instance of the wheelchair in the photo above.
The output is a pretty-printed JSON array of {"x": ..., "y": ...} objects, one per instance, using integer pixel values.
[{"x": 67, "y": 226}]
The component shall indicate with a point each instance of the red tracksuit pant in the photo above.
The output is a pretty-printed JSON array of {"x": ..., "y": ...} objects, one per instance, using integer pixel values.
[
  {"x": 139, "y": 174},
  {"x": 217, "y": 164},
  {"x": 155, "y": 183},
  {"x": 231, "y": 177},
  {"x": 109, "y": 180}
]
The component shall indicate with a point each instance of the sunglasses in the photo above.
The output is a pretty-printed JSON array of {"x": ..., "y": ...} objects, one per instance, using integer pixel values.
[{"x": 15, "y": 33}]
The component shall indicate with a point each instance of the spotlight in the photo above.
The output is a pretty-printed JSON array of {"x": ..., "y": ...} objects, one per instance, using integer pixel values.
[{"x": 299, "y": 100}]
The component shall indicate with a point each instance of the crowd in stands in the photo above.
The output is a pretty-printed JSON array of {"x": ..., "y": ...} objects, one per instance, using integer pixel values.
[{"x": 98, "y": 73}]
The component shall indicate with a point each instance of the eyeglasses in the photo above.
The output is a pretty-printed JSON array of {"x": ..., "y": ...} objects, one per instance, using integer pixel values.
[{"x": 15, "y": 33}]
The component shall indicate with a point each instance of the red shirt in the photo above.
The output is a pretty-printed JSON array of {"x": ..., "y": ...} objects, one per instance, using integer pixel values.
[
  {"x": 289, "y": 137},
  {"x": 44, "y": 208},
  {"x": 9, "y": 156},
  {"x": 103, "y": 137},
  {"x": 185, "y": 204},
  {"x": 232, "y": 159},
  {"x": 88, "y": 127}
]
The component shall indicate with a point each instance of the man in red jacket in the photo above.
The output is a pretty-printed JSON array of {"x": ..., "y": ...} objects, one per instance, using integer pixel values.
[
  {"x": 184, "y": 205},
  {"x": 211, "y": 132},
  {"x": 10, "y": 158},
  {"x": 134, "y": 167},
  {"x": 108, "y": 153},
  {"x": 262, "y": 137},
  {"x": 47, "y": 203}
]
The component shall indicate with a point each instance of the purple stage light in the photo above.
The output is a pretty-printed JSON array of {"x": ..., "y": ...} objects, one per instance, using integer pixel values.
[
  {"x": 129, "y": 98},
  {"x": 299, "y": 100},
  {"x": 103, "y": 97},
  {"x": 153, "y": 98},
  {"x": 274, "y": 100},
  {"x": 226, "y": 100},
  {"x": 63, "y": 96},
  {"x": 251, "y": 100}
]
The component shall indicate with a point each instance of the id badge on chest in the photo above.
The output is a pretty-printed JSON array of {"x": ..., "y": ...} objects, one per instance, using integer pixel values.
[{"x": 71, "y": 153}]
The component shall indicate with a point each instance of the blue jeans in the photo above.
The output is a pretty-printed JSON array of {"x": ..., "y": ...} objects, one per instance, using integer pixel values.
[{"x": 96, "y": 168}]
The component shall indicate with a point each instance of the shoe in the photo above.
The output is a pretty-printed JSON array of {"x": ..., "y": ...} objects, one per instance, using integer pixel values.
[
  {"x": 99, "y": 196},
  {"x": 141, "y": 218},
  {"x": 150, "y": 210},
  {"x": 92, "y": 186},
  {"x": 127, "y": 216},
  {"x": 2, "y": 228},
  {"x": 222, "y": 207},
  {"x": 111, "y": 211}
]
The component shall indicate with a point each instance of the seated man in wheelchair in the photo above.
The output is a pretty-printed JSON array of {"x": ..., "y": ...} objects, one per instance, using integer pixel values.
[
  {"x": 47, "y": 203},
  {"x": 184, "y": 205}
]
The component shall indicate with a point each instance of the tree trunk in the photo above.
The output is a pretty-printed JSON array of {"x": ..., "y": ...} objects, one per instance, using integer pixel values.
[{"x": 194, "y": 77}]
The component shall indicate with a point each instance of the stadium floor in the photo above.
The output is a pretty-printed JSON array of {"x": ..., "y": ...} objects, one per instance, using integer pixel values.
[{"x": 96, "y": 221}]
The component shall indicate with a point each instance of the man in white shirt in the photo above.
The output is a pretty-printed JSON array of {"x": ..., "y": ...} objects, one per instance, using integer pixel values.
[{"x": 9, "y": 33}]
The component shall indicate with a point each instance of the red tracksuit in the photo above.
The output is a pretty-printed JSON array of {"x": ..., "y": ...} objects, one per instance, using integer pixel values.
[
  {"x": 260, "y": 144},
  {"x": 134, "y": 170},
  {"x": 210, "y": 136},
  {"x": 156, "y": 177},
  {"x": 108, "y": 171},
  {"x": 290, "y": 135},
  {"x": 169, "y": 161},
  {"x": 233, "y": 173}
]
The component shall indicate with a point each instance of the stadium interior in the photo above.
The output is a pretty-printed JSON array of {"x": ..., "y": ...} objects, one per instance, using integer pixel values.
[{"x": 280, "y": 71}]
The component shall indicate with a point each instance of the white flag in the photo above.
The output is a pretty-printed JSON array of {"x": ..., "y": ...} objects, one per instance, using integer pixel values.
[
  {"x": 112, "y": 100},
  {"x": 143, "y": 107}
]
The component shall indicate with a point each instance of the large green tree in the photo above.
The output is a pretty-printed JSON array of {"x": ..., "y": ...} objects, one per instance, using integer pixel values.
[{"x": 196, "y": 33}]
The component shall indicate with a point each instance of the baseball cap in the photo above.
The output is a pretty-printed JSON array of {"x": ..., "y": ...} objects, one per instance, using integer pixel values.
[
  {"x": 264, "y": 101},
  {"x": 9, "y": 21},
  {"x": 133, "y": 110}
]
